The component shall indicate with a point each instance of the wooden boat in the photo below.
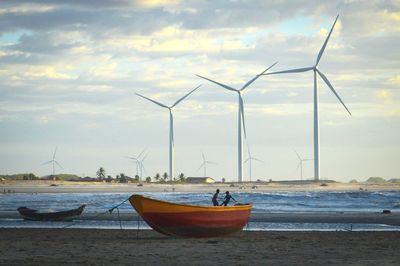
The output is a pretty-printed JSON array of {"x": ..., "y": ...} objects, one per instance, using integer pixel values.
[
  {"x": 189, "y": 220},
  {"x": 35, "y": 215}
]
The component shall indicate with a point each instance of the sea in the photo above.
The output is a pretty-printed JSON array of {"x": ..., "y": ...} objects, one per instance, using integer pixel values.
[{"x": 263, "y": 202}]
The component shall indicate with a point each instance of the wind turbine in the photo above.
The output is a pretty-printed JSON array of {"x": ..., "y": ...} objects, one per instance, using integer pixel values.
[
  {"x": 249, "y": 159},
  {"x": 142, "y": 166},
  {"x": 136, "y": 160},
  {"x": 204, "y": 164},
  {"x": 240, "y": 116},
  {"x": 301, "y": 160},
  {"x": 171, "y": 127},
  {"x": 316, "y": 99},
  {"x": 53, "y": 161}
]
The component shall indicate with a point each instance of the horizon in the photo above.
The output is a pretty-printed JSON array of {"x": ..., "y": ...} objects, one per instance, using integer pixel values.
[{"x": 70, "y": 73}]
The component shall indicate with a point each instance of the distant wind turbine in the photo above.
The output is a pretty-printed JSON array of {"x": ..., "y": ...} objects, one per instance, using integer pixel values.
[
  {"x": 136, "y": 160},
  {"x": 171, "y": 127},
  {"x": 53, "y": 161},
  {"x": 300, "y": 165},
  {"x": 142, "y": 168},
  {"x": 204, "y": 164},
  {"x": 316, "y": 99},
  {"x": 240, "y": 116},
  {"x": 249, "y": 159}
]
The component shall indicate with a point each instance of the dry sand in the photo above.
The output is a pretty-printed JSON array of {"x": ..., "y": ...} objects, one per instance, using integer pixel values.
[
  {"x": 115, "y": 247},
  {"x": 71, "y": 187}
]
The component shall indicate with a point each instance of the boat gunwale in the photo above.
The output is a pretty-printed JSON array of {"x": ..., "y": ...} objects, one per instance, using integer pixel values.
[{"x": 246, "y": 206}]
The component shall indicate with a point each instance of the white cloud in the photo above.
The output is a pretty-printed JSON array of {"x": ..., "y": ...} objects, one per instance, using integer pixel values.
[{"x": 80, "y": 66}]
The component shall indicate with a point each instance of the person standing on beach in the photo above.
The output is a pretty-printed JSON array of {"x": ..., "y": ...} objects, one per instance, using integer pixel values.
[
  {"x": 227, "y": 198},
  {"x": 215, "y": 197}
]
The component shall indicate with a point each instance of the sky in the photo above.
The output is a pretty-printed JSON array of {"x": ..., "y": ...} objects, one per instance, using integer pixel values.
[{"x": 69, "y": 71}]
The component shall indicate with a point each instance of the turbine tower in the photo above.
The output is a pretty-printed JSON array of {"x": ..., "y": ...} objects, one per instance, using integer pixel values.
[
  {"x": 316, "y": 100},
  {"x": 171, "y": 127},
  {"x": 240, "y": 117},
  {"x": 204, "y": 164},
  {"x": 53, "y": 161},
  {"x": 249, "y": 159},
  {"x": 301, "y": 160}
]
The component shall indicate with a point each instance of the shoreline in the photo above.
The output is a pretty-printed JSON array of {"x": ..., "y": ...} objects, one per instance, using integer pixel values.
[
  {"x": 392, "y": 219},
  {"x": 129, "y": 247},
  {"x": 90, "y": 187}
]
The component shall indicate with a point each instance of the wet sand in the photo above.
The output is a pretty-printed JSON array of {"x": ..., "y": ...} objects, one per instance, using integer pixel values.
[{"x": 115, "y": 247}]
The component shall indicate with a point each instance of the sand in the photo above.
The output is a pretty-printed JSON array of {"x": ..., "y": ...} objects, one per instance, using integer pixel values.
[
  {"x": 82, "y": 187},
  {"x": 115, "y": 247}
]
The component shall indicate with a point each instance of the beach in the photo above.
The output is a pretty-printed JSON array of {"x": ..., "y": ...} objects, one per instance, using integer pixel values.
[
  {"x": 88, "y": 187},
  {"x": 128, "y": 247},
  {"x": 93, "y": 246}
]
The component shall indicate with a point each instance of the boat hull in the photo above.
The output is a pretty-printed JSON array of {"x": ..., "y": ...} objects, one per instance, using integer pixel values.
[
  {"x": 34, "y": 215},
  {"x": 191, "y": 221}
]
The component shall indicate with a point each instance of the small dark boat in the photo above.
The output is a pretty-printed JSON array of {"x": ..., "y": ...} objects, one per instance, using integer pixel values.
[{"x": 35, "y": 215}]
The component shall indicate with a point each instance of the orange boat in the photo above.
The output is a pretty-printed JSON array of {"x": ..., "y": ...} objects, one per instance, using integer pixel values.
[{"x": 189, "y": 220}]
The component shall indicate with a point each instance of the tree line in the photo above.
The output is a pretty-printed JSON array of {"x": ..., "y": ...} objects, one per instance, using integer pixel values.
[{"x": 122, "y": 178}]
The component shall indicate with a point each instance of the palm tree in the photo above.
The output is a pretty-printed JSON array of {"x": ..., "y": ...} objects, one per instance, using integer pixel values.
[
  {"x": 101, "y": 173},
  {"x": 157, "y": 177},
  {"x": 122, "y": 178},
  {"x": 182, "y": 177},
  {"x": 165, "y": 176},
  {"x": 148, "y": 179}
]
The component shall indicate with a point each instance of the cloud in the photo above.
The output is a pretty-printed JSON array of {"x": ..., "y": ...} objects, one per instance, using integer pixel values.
[{"x": 75, "y": 66}]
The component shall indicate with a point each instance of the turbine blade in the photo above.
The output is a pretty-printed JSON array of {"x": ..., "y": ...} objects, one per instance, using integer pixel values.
[
  {"x": 298, "y": 166},
  {"x": 296, "y": 70},
  {"x": 59, "y": 165},
  {"x": 144, "y": 158},
  {"x": 242, "y": 113},
  {"x": 333, "y": 90},
  {"x": 210, "y": 162},
  {"x": 248, "y": 149},
  {"x": 204, "y": 158},
  {"x": 202, "y": 165},
  {"x": 220, "y": 84},
  {"x": 47, "y": 162},
  {"x": 298, "y": 156},
  {"x": 258, "y": 160},
  {"x": 160, "y": 104},
  {"x": 55, "y": 152},
  {"x": 181, "y": 99},
  {"x": 247, "y": 160},
  {"x": 326, "y": 42},
  {"x": 140, "y": 154},
  {"x": 256, "y": 77}
]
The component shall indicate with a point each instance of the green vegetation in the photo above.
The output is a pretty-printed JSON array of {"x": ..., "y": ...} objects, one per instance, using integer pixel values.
[
  {"x": 24, "y": 176},
  {"x": 353, "y": 181},
  {"x": 376, "y": 180}
]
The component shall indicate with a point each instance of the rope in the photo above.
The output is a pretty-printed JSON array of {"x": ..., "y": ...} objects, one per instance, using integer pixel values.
[
  {"x": 76, "y": 222},
  {"x": 138, "y": 224},
  {"x": 119, "y": 219},
  {"x": 102, "y": 213}
]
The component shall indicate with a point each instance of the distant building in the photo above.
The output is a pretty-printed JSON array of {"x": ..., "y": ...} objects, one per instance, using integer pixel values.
[{"x": 200, "y": 180}]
